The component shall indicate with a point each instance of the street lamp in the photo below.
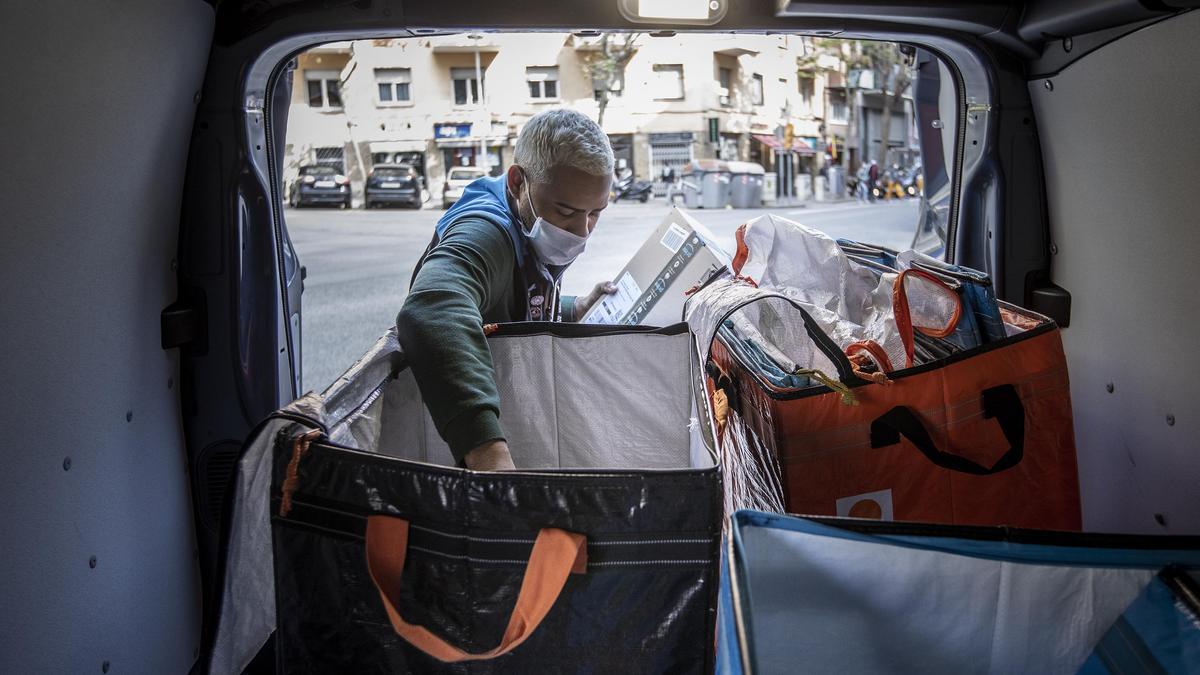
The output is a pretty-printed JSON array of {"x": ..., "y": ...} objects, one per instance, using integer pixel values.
[{"x": 481, "y": 113}]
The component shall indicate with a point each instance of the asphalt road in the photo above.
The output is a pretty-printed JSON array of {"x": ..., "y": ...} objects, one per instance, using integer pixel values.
[{"x": 359, "y": 262}]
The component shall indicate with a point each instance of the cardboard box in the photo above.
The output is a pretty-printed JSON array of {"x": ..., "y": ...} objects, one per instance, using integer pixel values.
[{"x": 652, "y": 287}]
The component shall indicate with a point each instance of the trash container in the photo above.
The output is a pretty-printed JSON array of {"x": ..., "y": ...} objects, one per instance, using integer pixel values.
[
  {"x": 804, "y": 186},
  {"x": 837, "y": 182},
  {"x": 706, "y": 184},
  {"x": 770, "y": 188},
  {"x": 745, "y": 185}
]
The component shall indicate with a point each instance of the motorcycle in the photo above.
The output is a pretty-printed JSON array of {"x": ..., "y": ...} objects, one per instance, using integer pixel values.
[{"x": 628, "y": 188}]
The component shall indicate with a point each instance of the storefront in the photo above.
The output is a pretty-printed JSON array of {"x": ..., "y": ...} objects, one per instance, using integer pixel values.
[
  {"x": 461, "y": 147},
  {"x": 411, "y": 153},
  {"x": 622, "y": 146},
  {"x": 786, "y": 162},
  {"x": 674, "y": 151}
]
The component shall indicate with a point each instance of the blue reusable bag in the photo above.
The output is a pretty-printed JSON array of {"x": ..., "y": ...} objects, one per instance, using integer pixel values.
[{"x": 846, "y": 595}]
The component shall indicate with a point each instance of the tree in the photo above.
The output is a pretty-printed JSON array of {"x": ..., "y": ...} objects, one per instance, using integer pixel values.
[
  {"x": 893, "y": 75},
  {"x": 605, "y": 66},
  {"x": 849, "y": 57}
]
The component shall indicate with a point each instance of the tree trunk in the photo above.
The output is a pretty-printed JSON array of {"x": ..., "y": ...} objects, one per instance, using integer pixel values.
[{"x": 603, "y": 105}]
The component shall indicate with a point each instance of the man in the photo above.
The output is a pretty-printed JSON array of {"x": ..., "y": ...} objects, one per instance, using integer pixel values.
[
  {"x": 497, "y": 255},
  {"x": 872, "y": 180}
]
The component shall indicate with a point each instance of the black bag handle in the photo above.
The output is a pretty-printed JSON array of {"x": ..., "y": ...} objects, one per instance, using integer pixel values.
[
  {"x": 1002, "y": 403},
  {"x": 824, "y": 343}
]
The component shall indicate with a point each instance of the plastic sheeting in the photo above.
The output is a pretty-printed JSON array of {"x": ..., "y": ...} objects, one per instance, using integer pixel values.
[
  {"x": 801, "y": 595},
  {"x": 769, "y": 317},
  {"x": 852, "y": 303},
  {"x": 568, "y": 400}
]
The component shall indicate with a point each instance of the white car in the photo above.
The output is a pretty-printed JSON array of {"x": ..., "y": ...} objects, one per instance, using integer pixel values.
[{"x": 457, "y": 180}]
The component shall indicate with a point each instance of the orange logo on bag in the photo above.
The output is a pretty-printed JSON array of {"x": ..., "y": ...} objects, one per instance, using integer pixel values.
[
  {"x": 874, "y": 505},
  {"x": 866, "y": 508}
]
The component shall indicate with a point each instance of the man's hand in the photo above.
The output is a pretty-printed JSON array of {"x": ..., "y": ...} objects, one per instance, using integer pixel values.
[
  {"x": 585, "y": 302},
  {"x": 491, "y": 456}
]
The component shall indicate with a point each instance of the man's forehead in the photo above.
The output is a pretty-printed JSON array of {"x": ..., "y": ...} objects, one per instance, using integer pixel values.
[{"x": 577, "y": 189}]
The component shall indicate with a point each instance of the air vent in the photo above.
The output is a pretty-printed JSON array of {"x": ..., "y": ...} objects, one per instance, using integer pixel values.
[{"x": 214, "y": 470}]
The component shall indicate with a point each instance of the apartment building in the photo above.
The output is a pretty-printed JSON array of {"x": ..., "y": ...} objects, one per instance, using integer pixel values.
[{"x": 445, "y": 101}]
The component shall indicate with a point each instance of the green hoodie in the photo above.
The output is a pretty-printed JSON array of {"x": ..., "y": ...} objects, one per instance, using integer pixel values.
[{"x": 464, "y": 282}]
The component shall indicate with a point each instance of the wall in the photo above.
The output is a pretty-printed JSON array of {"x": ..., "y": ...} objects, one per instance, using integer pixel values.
[
  {"x": 97, "y": 526},
  {"x": 1119, "y": 141}
]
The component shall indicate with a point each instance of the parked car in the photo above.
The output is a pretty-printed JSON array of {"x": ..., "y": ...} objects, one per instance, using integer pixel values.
[
  {"x": 457, "y": 179},
  {"x": 390, "y": 184},
  {"x": 319, "y": 184}
]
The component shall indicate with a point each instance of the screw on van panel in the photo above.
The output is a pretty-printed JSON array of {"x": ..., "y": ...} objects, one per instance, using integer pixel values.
[
  {"x": 66, "y": 464},
  {"x": 1109, "y": 387},
  {"x": 1049, "y": 85},
  {"x": 92, "y": 562},
  {"x": 128, "y": 415},
  {"x": 1170, "y": 420},
  {"x": 1067, "y": 44},
  {"x": 1054, "y": 249},
  {"x": 1160, "y": 519},
  {"x": 104, "y": 667}
]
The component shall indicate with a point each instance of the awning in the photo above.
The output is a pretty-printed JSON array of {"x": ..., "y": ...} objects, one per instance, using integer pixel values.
[
  {"x": 799, "y": 146},
  {"x": 492, "y": 141},
  {"x": 398, "y": 146}
]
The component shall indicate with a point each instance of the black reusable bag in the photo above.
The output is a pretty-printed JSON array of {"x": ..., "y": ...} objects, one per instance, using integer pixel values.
[
  {"x": 645, "y": 600},
  {"x": 645, "y": 603}
]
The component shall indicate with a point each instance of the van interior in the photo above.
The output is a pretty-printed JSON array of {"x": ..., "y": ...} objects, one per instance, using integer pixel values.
[{"x": 153, "y": 303}]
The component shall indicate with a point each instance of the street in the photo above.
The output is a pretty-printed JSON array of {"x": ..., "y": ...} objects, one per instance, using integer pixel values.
[{"x": 359, "y": 262}]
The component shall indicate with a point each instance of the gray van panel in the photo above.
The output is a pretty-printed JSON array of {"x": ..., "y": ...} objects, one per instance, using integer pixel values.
[{"x": 98, "y": 553}]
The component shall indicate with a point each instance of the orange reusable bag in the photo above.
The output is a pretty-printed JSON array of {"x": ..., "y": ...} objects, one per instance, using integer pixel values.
[{"x": 983, "y": 437}]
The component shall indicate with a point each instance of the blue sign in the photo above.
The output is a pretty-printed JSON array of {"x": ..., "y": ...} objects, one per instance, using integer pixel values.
[{"x": 451, "y": 130}]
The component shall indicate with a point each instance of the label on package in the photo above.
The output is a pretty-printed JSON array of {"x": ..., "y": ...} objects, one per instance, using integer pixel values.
[
  {"x": 610, "y": 308},
  {"x": 673, "y": 238}
]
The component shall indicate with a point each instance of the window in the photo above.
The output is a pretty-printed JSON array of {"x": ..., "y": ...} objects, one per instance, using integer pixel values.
[
  {"x": 542, "y": 81},
  {"x": 466, "y": 87},
  {"x": 668, "y": 81},
  {"x": 837, "y": 109},
  {"x": 394, "y": 85},
  {"x": 725, "y": 85},
  {"x": 807, "y": 86},
  {"x": 419, "y": 102},
  {"x": 324, "y": 88}
]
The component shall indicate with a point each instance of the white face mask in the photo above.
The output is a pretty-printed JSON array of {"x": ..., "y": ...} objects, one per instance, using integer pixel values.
[{"x": 554, "y": 245}]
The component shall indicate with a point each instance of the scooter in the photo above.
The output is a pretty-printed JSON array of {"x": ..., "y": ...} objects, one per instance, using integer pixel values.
[{"x": 628, "y": 188}]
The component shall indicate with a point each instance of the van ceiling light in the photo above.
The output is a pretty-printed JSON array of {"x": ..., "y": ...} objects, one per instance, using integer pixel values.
[
  {"x": 673, "y": 9},
  {"x": 694, "y": 12}
]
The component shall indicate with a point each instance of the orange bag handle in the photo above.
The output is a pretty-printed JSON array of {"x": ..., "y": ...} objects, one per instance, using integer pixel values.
[
  {"x": 904, "y": 316},
  {"x": 556, "y": 554}
]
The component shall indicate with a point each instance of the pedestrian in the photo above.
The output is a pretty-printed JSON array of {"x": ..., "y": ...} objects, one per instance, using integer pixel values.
[
  {"x": 498, "y": 255},
  {"x": 862, "y": 191},
  {"x": 670, "y": 178},
  {"x": 872, "y": 179}
]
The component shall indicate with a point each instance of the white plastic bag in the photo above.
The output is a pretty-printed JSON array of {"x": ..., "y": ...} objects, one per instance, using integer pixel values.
[{"x": 866, "y": 312}]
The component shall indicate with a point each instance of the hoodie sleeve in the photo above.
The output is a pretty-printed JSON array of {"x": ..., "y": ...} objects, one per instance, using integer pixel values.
[
  {"x": 566, "y": 307},
  {"x": 440, "y": 328}
]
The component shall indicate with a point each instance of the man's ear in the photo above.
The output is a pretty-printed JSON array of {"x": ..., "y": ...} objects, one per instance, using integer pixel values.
[{"x": 516, "y": 178}]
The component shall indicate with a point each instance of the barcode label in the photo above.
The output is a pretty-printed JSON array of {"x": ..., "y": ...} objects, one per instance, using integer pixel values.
[
  {"x": 674, "y": 238},
  {"x": 610, "y": 309}
]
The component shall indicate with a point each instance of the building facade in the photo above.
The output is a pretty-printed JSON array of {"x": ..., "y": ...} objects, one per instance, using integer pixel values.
[{"x": 440, "y": 102}]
